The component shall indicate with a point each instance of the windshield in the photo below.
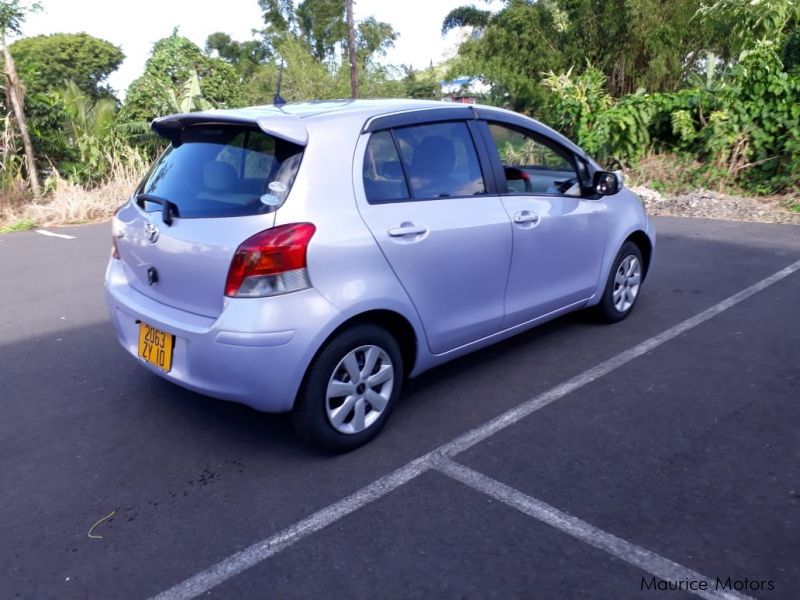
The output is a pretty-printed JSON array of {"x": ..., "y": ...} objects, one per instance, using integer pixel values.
[{"x": 223, "y": 171}]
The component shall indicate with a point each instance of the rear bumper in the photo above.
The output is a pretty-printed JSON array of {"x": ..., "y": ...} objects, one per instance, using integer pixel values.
[{"x": 256, "y": 352}]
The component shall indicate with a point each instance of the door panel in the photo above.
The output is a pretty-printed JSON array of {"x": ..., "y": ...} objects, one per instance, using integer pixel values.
[
  {"x": 455, "y": 270},
  {"x": 447, "y": 240},
  {"x": 556, "y": 258},
  {"x": 558, "y": 235}
]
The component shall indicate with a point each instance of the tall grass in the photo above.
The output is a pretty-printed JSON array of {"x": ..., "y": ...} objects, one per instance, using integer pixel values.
[{"x": 68, "y": 202}]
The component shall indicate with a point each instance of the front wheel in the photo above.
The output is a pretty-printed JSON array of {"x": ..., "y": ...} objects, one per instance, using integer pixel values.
[
  {"x": 349, "y": 389},
  {"x": 623, "y": 285}
]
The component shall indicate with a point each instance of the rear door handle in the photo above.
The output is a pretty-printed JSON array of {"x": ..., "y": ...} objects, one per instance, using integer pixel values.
[
  {"x": 408, "y": 229},
  {"x": 526, "y": 216}
]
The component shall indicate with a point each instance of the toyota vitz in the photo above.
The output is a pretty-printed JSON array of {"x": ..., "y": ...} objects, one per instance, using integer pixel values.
[{"x": 310, "y": 257}]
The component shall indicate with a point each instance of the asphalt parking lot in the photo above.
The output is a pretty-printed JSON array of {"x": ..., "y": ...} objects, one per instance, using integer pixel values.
[{"x": 575, "y": 460}]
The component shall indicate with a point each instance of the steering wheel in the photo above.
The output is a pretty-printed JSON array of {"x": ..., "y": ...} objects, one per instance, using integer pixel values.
[
  {"x": 564, "y": 185},
  {"x": 516, "y": 174}
]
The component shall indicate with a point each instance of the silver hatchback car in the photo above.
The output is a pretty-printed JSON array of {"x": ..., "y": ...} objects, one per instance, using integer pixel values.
[{"x": 310, "y": 257}]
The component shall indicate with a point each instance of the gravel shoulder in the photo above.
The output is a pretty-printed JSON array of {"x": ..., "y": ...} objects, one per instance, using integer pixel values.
[{"x": 714, "y": 205}]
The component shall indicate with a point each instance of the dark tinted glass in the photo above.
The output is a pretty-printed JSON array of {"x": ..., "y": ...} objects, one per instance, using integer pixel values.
[
  {"x": 222, "y": 171},
  {"x": 440, "y": 160},
  {"x": 383, "y": 174}
]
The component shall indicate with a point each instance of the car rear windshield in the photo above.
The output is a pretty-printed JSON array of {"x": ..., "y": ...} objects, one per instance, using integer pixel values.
[{"x": 222, "y": 171}]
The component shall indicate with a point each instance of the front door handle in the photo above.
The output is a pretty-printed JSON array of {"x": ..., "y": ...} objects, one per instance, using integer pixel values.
[
  {"x": 526, "y": 216},
  {"x": 408, "y": 229}
]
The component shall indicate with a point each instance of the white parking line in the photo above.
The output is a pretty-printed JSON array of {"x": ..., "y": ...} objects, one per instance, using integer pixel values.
[
  {"x": 63, "y": 236},
  {"x": 648, "y": 561},
  {"x": 252, "y": 555}
]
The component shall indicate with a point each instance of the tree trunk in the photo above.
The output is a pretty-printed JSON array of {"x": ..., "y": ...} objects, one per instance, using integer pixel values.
[
  {"x": 351, "y": 50},
  {"x": 14, "y": 92}
]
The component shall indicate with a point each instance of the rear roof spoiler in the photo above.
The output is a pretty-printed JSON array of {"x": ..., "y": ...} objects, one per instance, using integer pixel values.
[{"x": 279, "y": 124}]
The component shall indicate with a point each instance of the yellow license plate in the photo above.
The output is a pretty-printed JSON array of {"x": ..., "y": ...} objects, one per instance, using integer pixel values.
[{"x": 155, "y": 346}]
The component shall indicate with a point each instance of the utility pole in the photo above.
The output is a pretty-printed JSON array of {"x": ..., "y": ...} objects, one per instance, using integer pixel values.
[{"x": 351, "y": 50}]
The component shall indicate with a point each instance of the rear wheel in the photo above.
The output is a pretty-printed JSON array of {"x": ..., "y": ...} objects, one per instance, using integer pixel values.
[
  {"x": 350, "y": 389},
  {"x": 623, "y": 285}
]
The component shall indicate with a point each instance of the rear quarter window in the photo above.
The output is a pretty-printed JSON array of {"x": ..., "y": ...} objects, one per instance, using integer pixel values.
[{"x": 223, "y": 171}]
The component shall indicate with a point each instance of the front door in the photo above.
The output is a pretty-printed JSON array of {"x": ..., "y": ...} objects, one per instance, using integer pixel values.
[
  {"x": 447, "y": 240},
  {"x": 558, "y": 235}
]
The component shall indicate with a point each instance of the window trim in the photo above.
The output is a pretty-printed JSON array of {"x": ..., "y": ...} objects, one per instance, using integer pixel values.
[
  {"x": 484, "y": 164},
  {"x": 499, "y": 172}
]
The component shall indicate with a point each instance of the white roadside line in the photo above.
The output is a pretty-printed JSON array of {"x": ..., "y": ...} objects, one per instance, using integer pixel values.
[
  {"x": 260, "y": 551},
  {"x": 648, "y": 561},
  {"x": 63, "y": 236}
]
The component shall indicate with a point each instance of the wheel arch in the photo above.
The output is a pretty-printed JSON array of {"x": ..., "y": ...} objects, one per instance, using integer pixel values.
[
  {"x": 395, "y": 323},
  {"x": 645, "y": 246}
]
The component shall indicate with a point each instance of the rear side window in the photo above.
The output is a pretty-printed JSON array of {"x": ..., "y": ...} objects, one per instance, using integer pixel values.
[
  {"x": 440, "y": 160},
  {"x": 435, "y": 160},
  {"x": 383, "y": 174},
  {"x": 223, "y": 171}
]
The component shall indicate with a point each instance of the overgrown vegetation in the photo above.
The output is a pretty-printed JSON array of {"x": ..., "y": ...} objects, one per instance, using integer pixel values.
[
  {"x": 686, "y": 93},
  {"x": 714, "y": 87}
]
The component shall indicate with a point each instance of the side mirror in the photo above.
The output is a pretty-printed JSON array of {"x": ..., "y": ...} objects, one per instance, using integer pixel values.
[{"x": 607, "y": 183}]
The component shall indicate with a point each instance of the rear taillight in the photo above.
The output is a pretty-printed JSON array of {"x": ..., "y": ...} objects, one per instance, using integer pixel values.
[
  {"x": 114, "y": 247},
  {"x": 271, "y": 262}
]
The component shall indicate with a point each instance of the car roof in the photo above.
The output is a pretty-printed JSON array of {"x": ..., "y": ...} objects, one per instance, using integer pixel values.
[
  {"x": 289, "y": 121},
  {"x": 324, "y": 109}
]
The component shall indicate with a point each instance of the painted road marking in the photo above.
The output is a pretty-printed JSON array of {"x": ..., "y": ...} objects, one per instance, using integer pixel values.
[
  {"x": 260, "y": 551},
  {"x": 63, "y": 236},
  {"x": 653, "y": 563}
]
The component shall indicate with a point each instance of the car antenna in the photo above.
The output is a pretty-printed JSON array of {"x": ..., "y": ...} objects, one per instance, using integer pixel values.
[{"x": 278, "y": 100}]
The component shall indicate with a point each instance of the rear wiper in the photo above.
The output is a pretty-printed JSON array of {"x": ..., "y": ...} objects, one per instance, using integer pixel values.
[{"x": 168, "y": 209}]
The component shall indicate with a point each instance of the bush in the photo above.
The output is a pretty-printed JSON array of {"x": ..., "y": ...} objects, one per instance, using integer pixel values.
[{"x": 744, "y": 131}]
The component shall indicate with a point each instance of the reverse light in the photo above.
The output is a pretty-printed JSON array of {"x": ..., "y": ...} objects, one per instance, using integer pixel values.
[{"x": 271, "y": 262}]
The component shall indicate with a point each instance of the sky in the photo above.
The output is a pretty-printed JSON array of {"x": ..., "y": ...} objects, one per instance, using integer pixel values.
[{"x": 135, "y": 25}]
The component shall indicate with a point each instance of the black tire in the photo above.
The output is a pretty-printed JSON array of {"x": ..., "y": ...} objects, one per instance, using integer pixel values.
[
  {"x": 606, "y": 311},
  {"x": 310, "y": 416}
]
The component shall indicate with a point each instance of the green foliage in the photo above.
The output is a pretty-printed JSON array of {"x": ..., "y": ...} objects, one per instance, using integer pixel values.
[
  {"x": 649, "y": 44},
  {"x": 12, "y": 15},
  {"x": 749, "y": 22},
  {"x": 191, "y": 98},
  {"x": 524, "y": 31},
  {"x": 48, "y": 62},
  {"x": 606, "y": 128},
  {"x": 20, "y": 225},
  {"x": 465, "y": 16},
  {"x": 172, "y": 63},
  {"x": 422, "y": 84},
  {"x": 244, "y": 56},
  {"x": 322, "y": 26},
  {"x": 745, "y": 130}
]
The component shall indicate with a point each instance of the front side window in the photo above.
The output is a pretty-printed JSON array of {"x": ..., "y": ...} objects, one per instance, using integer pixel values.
[
  {"x": 223, "y": 171},
  {"x": 532, "y": 167}
]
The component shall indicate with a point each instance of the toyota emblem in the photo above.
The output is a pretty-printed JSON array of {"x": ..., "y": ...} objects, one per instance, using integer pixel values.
[{"x": 151, "y": 231}]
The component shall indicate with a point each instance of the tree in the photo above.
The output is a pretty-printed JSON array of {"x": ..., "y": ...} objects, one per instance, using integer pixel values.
[
  {"x": 466, "y": 16},
  {"x": 172, "y": 63},
  {"x": 244, "y": 56},
  {"x": 12, "y": 15},
  {"x": 648, "y": 44},
  {"x": 322, "y": 25},
  {"x": 48, "y": 62},
  {"x": 351, "y": 50}
]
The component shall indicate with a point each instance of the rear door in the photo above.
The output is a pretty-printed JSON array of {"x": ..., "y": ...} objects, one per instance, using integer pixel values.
[
  {"x": 558, "y": 233},
  {"x": 445, "y": 237},
  {"x": 224, "y": 183}
]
